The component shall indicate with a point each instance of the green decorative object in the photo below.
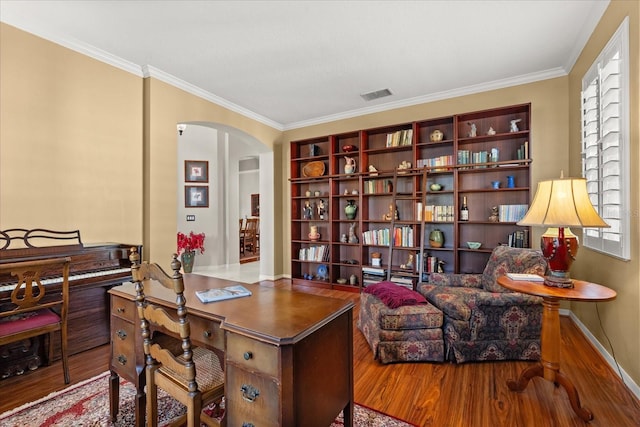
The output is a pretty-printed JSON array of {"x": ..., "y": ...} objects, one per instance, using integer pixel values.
[
  {"x": 436, "y": 238},
  {"x": 187, "y": 258},
  {"x": 351, "y": 209}
]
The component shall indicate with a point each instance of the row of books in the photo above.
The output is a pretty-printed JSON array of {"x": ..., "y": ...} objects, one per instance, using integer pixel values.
[
  {"x": 402, "y": 236},
  {"x": 466, "y": 157},
  {"x": 378, "y": 186},
  {"x": 432, "y": 264},
  {"x": 371, "y": 275},
  {"x": 314, "y": 253},
  {"x": 401, "y": 137},
  {"x": 519, "y": 239},
  {"x": 435, "y": 213},
  {"x": 511, "y": 213},
  {"x": 523, "y": 151},
  {"x": 438, "y": 164},
  {"x": 404, "y": 281}
]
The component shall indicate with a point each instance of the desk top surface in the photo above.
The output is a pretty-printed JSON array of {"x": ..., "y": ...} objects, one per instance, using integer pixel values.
[
  {"x": 276, "y": 316},
  {"x": 581, "y": 291}
]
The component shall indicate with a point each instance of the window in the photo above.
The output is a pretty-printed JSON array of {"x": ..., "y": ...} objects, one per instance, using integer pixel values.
[{"x": 605, "y": 144}]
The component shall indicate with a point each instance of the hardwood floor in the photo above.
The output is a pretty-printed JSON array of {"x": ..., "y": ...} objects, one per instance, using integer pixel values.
[{"x": 427, "y": 394}]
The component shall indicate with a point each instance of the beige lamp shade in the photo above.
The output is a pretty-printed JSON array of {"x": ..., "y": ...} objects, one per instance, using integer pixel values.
[{"x": 562, "y": 202}]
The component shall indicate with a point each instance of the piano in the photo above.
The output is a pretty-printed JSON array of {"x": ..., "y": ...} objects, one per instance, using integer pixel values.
[{"x": 95, "y": 268}]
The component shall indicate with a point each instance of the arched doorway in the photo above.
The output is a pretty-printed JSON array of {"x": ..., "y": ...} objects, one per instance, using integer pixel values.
[{"x": 222, "y": 148}]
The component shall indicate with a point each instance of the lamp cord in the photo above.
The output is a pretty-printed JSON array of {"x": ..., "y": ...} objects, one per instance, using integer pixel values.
[{"x": 613, "y": 353}]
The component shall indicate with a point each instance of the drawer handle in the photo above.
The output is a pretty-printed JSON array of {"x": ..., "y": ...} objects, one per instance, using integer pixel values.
[
  {"x": 207, "y": 334},
  {"x": 248, "y": 425},
  {"x": 249, "y": 392},
  {"x": 122, "y": 360},
  {"x": 120, "y": 309},
  {"x": 247, "y": 355},
  {"x": 121, "y": 334}
]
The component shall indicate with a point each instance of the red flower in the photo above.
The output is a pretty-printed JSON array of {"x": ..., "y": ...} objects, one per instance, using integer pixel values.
[{"x": 192, "y": 242}]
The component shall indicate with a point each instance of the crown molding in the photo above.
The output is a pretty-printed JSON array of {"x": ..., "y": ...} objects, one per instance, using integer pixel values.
[
  {"x": 597, "y": 11},
  {"x": 438, "y": 96},
  {"x": 150, "y": 71},
  {"x": 83, "y": 48}
]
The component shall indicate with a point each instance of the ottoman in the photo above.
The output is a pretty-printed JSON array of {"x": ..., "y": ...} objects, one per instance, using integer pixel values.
[{"x": 411, "y": 333}]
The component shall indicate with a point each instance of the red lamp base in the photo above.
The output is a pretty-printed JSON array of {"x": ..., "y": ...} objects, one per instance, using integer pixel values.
[
  {"x": 558, "y": 282},
  {"x": 559, "y": 247}
]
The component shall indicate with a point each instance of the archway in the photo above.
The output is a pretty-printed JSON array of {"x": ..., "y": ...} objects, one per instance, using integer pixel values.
[{"x": 223, "y": 147}]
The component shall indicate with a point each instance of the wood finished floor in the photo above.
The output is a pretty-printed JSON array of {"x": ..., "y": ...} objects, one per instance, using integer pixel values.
[{"x": 427, "y": 394}]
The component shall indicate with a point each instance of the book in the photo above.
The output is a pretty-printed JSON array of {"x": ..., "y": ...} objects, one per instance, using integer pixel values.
[
  {"x": 220, "y": 294},
  {"x": 525, "y": 277}
]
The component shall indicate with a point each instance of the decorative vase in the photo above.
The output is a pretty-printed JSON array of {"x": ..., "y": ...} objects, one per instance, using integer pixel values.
[
  {"x": 349, "y": 165},
  {"x": 511, "y": 182},
  {"x": 436, "y": 238},
  {"x": 313, "y": 233},
  {"x": 436, "y": 136},
  {"x": 351, "y": 209},
  {"x": 187, "y": 258}
]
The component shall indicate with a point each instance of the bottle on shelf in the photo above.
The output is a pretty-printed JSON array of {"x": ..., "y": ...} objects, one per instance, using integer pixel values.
[{"x": 464, "y": 210}]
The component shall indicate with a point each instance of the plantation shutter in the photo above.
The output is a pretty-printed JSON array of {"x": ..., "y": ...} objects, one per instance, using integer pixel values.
[{"x": 603, "y": 155}]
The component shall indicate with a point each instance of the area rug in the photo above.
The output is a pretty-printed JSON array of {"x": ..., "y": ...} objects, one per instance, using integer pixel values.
[{"x": 87, "y": 404}]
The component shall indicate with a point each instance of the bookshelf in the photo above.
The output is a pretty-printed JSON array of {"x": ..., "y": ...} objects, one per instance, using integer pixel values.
[{"x": 391, "y": 160}]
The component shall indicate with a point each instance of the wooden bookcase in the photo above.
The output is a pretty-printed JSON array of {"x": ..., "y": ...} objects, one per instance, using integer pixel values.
[{"x": 458, "y": 160}]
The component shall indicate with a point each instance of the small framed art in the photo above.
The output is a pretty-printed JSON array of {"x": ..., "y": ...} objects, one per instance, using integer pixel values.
[
  {"x": 196, "y": 171},
  {"x": 196, "y": 196}
]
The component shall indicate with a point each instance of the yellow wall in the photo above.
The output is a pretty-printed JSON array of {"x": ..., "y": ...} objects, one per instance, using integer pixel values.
[
  {"x": 71, "y": 141},
  {"x": 621, "y": 317},
  {"x": 165, "y": 106},
  {"x": 83, "y": 143}
]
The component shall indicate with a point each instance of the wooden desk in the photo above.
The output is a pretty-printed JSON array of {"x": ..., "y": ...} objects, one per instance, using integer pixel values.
[
  {"x": 549, "y": 368},
  {"x": 295, "y": 348}
]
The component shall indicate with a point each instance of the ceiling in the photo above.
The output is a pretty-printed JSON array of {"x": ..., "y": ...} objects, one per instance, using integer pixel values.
[{"x": 295, "y": 63}]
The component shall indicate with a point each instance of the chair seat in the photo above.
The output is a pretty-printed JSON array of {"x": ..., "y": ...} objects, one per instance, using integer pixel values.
[
  {"x": 12, "y": 325},
  {"x": 209, "y": 374}
]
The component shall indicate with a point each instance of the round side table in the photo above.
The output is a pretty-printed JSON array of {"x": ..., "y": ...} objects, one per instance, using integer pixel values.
[{"x": 549, "y": 368}]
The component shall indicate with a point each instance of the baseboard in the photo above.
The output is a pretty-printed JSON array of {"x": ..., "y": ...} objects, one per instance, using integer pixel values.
[
  {"x": 273, "y": 278},
  {"x": 629, "y": 382}
]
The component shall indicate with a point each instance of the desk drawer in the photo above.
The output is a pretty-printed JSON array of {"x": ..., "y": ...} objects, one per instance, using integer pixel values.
[
  {"x": 206, "y": 332},
  {"x": 123, "y": 308},
  {"x": 252, "y": 398},
  {"x": 123, "y": 352},
  {"x": 253, "y": 355}
]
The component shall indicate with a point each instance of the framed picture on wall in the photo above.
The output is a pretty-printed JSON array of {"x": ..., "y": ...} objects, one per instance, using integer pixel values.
[
  {"x": 196, "y": 171},
  {"x": 196, "y": 196}
]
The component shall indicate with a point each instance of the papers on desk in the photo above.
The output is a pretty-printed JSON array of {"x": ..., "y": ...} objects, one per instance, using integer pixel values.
[
  {"x": 523, "y": 277},
  {"x": 220, "y": 294}
]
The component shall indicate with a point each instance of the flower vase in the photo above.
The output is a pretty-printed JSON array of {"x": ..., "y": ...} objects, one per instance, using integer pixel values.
[
  {"x": 351, "y": 209},
  {"x": 187, "y": 258}
]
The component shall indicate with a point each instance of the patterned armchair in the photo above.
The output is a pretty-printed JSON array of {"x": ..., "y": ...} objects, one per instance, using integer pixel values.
[{"x": 483, "y": 320}]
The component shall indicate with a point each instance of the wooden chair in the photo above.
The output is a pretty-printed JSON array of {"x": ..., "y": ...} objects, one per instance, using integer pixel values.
[
  {"x": 241, "y": 231},
  {"x": 192, "y": 375},
  {"x": 33, "y": 311},
  {"x": 250, "y": 234}
]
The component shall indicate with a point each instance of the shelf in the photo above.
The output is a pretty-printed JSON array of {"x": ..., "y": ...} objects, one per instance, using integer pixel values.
[
  {"x": 492, "y": 138},
  {"x": 493, "y": 190}
]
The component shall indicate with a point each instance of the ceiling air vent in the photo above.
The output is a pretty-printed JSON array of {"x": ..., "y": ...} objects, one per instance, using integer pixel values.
[{"x": 370, "y": 96}]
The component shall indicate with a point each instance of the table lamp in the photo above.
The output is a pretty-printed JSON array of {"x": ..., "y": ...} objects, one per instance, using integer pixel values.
[{"x": 559, "y": 204}]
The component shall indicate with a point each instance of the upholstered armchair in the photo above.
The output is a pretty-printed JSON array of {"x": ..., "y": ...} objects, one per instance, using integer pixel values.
[{"x": 483, "y": 320}]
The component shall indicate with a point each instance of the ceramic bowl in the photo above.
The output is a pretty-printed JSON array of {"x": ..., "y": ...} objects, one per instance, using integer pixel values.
[
  {"x": 435, "y": 187},
  {"x": 474, "y": 245},
  {"x": 341, "y": 281},
  {"x": 348, "y": 148}
]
